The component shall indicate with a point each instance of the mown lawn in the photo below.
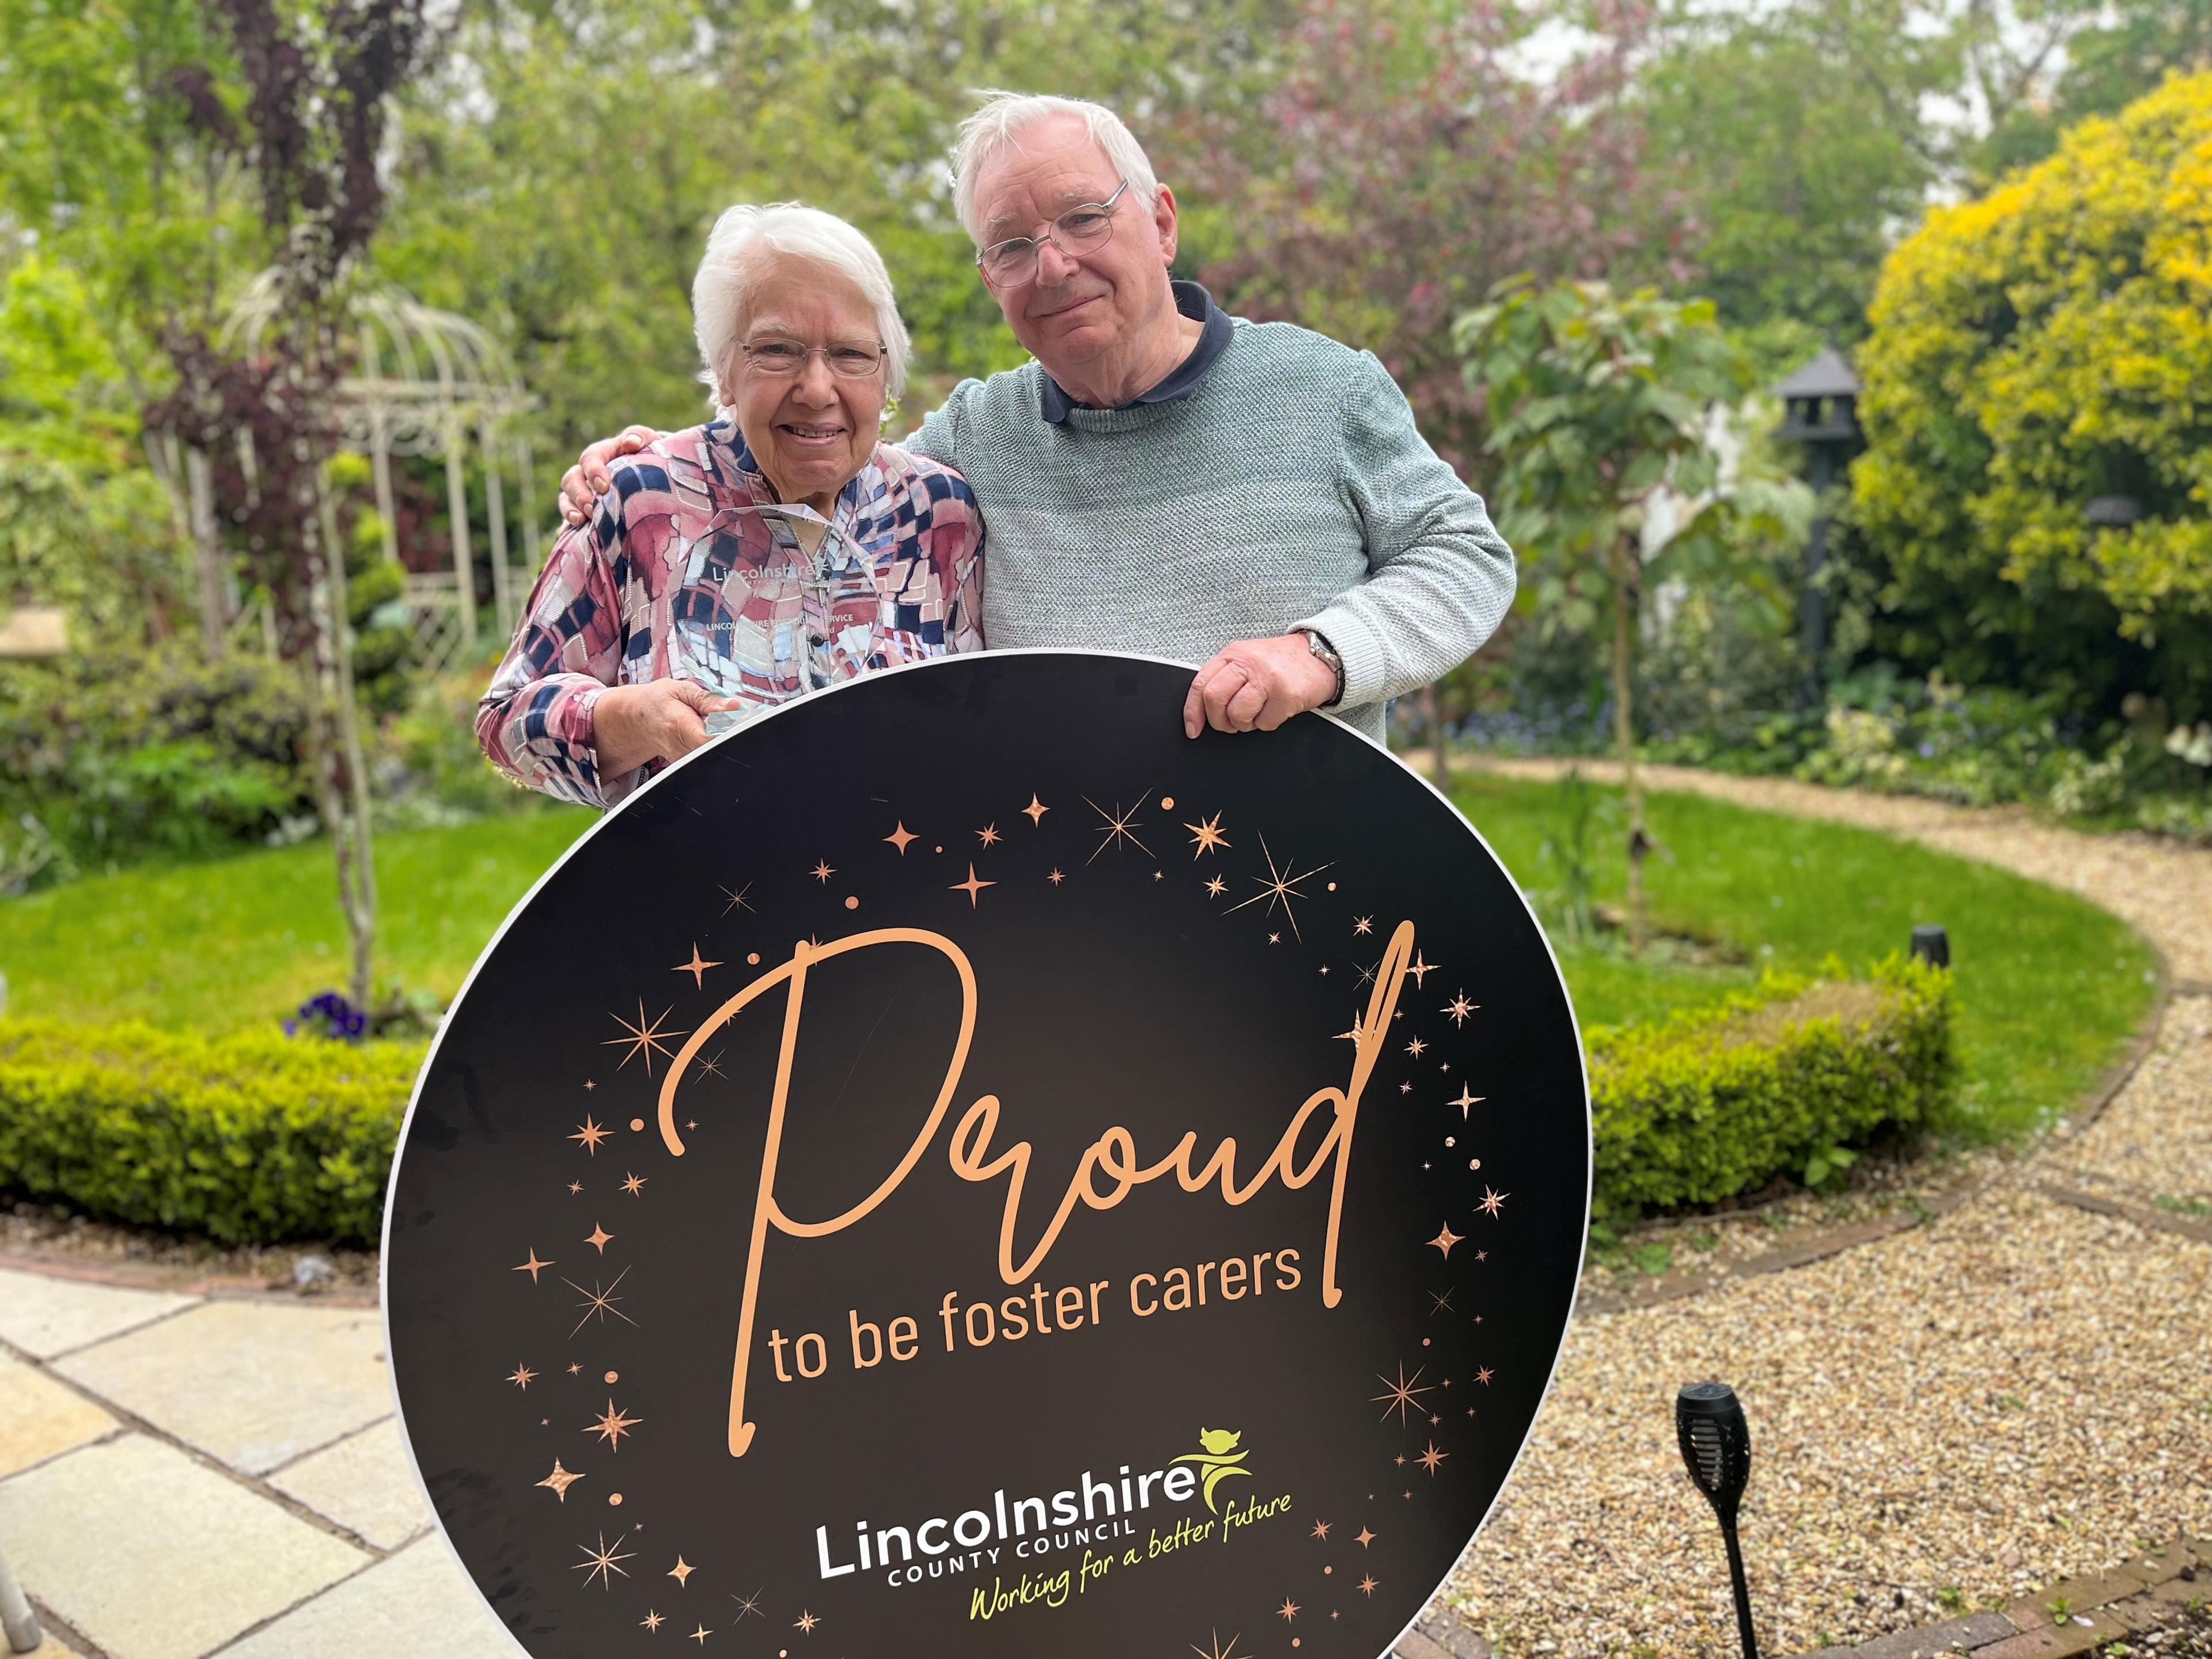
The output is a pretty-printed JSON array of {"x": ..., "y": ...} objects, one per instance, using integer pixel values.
[{"x": 2049, "y": 987}]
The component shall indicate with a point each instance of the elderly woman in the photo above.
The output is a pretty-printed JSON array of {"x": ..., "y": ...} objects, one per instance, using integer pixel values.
[{"x": 742, "y": 563}]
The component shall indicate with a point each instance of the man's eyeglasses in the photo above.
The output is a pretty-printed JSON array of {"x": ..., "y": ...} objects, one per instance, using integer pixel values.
[
  {"x": 785, "y": 358},
  {"x": 1082, "y": 229}
]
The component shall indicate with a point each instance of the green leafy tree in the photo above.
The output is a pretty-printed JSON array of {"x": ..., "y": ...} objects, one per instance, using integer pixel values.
[
  {"x": 1600, "y": 410},
  {"x": 2034, "y": 351}
]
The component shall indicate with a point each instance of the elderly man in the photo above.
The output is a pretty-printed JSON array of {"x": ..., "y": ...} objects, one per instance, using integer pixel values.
[{"x": 1164, "y": 477}]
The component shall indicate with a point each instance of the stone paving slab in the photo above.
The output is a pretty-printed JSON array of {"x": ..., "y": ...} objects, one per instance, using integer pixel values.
[
  {"x": 254, "y": 1384},
  {"x": 419, "y": 1604},
  {"x": 153, "y": 1556},
  {"x": 47, "y": 1316},
  {"x": 42, "y": 1418},
  {"x": 364, "y": 1483}
]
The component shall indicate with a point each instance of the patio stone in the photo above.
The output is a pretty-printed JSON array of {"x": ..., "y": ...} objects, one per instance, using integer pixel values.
[
  {"x": 47, "y": 1316},
  {"x": 255, "y": 1384},
  {"x": 419, "y": 1603},
  {"x": 363, "y": 1483},
  {"x": 153, "y": 1556},
  {"x": 40, "y": 1417}
]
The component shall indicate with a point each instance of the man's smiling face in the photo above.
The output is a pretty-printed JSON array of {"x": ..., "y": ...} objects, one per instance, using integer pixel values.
[{"x": 1080, "y": 309}]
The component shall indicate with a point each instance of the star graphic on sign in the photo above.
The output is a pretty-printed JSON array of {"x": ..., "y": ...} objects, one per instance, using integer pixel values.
[
  {"x": 652, "y": 1621},
  {"x": 1445, "y": 1239},
  {"x": 823, "y": 870},
  {"x": 1467, "y": 1097},
  {"x": 1420, "y": 968},
  {"x": 1215, "y": 1651},
  {"x": 1363, "y": 924},
  {"x": 599, "y": 1304},
  {"x": 533, "y": 1266},
  {"x": 1459, "y": 1008},
  {"x": 599, "y": 1238},
  {"x": 712, "y": 1067},
  {"x": 1353, "y": 1034},
  {"x": 1429, "y": 1459},
  {"x": 1480, "y": 1255},
  {"x": 522, "y": 1377},
  {"x": 1055, "y": 876},
  {"x": 559, "y": 1480},
  {"x": 1400, "y": 1459},
  {"x": 901, "y": 836},
  {"x": 1281, "y": 887},
  {"x": 1441, "y": 1302},
  {"x": 1484, "y": 1376},
  {"x": 1407, "y": 1088},
  {"x": 1321, "y": 1530},
  {"x": 590, "y": 1133},
  {"x": 647, "y": 1039},
  {"x": 1288, "y": 1611},
  {"x": 1417, "y": 1047},
  {"x": 749, "y": 1605},
  {"x": 973, "y": 886},
  {"x": 635, "y": 1186},
  {"x": 573, "y": 1368},
  {"x": 806, "y": 1622},
  {"x": 1492, "y": 1202},
  {"x": 1367, "y": 974},
  {"x": 1274, "y": 939},
  {"x": 988, "y": 835},
  {"x": 682, "y": 1571},
  {"x": 737, "y": 900},
  {"x": 575, "y": 1186},
  {"x": 1205, "y": 835},
  {"x": 1369, "y": 1585},
  {"x": 1036, "y": 809},
  {"x": 1215, "y": 887},
  {"x": 612, "y": 1425},
  {"x": 1119, "y": 825},
  {"x": 599, "y": 1563},
  {"x": 1363, "y": 1537},
  {"x": 700, "y": 1635},
  {"x": 1400, "y": 1396},
  {"x": 697, "y": 968}
]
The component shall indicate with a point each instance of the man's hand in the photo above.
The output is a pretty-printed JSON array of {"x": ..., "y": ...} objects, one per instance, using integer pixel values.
[
  {"x": 1256, "y": 685},
  {"x": 661, "y": 719},
  {"x": 589, "y": 478}
]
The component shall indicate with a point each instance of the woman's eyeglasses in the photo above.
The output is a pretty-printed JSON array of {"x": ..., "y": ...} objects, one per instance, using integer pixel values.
[
  {"x": 785, "y": 358},
  {"x": 1082, "y": 229}
]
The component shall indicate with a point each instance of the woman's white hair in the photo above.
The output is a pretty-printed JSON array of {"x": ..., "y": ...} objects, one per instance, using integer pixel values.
[
  {"x": 1005, "y": 116},
  {"x": 746, "y": 244}
]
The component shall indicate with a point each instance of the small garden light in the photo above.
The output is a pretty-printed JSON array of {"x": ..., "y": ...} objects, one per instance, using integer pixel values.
[
  {"x": 1932, "y": 945},
  {"x": 1716, "y": 1443}
]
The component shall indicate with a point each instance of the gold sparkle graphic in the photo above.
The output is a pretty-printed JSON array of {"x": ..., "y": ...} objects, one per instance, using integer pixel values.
[
  {"x": 901, "y": 836},
  {"x": 682, "y": 1571},
  {"x": 1036, "y": 809},
  {"x": 559, "y": 1480},
  {"x": 697, "y": 968},
  {"x": 806, "y": 1622},
  {"x": 1363, "y": 924},
  {"x": 652, "y": 1621},
  {"x": 1417, "y": 1047},
  {"x": 1492, "y": 1202},
  {"x": 973, "y": 887},
  {"x": 700, "y": 1635},
  {"x": 599, "y": 1238},
  {"x": 645, "y": 1039},
  {"x": 599, "y": 1304},
  {"x": 1118, "y": 825},
  {"x": 612, "y": 1424},
  {"x": 750, "y": 1604},
  {"x": 1440, "y": 1301},
  {"x": 1205, "y": 836},
  {"x": 590, "y": 1133},
  {"x": 1364, "y": 1537},
  {"x": 1215, "y": 887},
  {"x": 1467, "y": 1097},
  {"x": 600, "y": 1563},
  {"x": 823, "y": 870},
  {"x": 1484, "y": 1376},
  {"x": 1288, "y": 1611},
  {"x": 1321, "y": 1530},
  {"x": 1281, "y": 887},
  {"x": 1369, "y": 1585},
  {"x": 737, "y": 900},
  {"x": 522, "y": 1377},
  {"x": 988, "y": 835},
  {"x": 1216, "y": 1649},
  {"x": 1459, "y": 1008},
  {"x": 634, "y": 1185},
  {"x": 1431, "y": 1458},
  {"x": 1401, "y": 1396},
  {"x": 1420, "y": 970},
  {"x": 1056, "y": 875},
  {"x": 533, "y": 1266},
  {"x": 1445, "y": 1239},
  {"x": 575, "y": 1186}
]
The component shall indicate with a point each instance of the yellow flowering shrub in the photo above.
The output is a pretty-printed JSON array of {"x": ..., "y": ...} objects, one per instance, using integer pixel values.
[{"x": 2044, "y": 346}]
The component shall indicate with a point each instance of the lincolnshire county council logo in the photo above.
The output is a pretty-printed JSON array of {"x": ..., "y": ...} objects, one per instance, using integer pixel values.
[{"x": 1220, "y": 1460}]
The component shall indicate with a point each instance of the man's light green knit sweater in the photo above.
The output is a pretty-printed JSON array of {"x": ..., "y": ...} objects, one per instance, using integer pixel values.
[{"x": 1292, "y": 489}]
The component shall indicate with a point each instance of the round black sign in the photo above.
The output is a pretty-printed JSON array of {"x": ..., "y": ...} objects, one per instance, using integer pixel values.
[{"x": 956, "y": 1167}]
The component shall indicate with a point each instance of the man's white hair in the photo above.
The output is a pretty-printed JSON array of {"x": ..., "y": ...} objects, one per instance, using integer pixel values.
[
  {"x": 746, "y": 244},
  {"x": 1005, "y": 116}
]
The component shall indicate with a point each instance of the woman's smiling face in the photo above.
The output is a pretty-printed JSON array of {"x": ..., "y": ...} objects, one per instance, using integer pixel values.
[{"x": 812, "y": 431}]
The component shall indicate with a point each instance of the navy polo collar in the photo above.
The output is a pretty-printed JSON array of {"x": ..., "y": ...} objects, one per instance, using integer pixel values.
[{"x": 1192, "y": 301}]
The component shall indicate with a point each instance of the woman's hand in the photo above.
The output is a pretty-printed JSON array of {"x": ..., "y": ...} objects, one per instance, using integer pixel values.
[
  {"x": 662, "y": 720},
  {"x": 589, "y": 478}
]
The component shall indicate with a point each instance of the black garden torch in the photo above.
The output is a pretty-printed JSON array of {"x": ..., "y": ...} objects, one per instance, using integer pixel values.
[{"x": 1717, "y": 1446}]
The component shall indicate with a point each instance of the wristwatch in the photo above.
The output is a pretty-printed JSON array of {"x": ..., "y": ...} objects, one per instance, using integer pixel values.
[{"x": 1318, "y": 644}]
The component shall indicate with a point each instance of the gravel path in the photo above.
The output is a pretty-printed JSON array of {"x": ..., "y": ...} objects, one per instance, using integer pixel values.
[{"x": 1949, "y": 1418}]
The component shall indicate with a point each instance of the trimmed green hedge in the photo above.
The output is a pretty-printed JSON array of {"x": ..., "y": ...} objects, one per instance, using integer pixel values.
[
  {"x": 261, "y": 1138},
  {"x": 251, "y": 1138},
  {"x": 1716, "y": 1101}
]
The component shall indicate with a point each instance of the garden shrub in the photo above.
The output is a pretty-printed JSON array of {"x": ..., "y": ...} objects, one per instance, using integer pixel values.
[
  {"x": 1714, "y": 1101},
  {"x": 255, "y": 1137}
]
